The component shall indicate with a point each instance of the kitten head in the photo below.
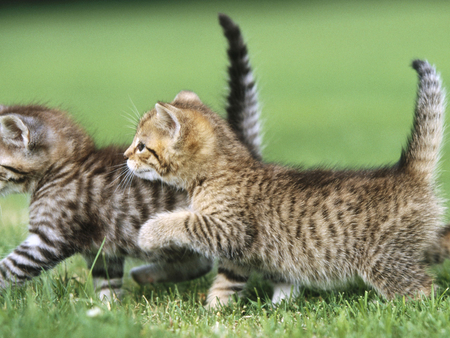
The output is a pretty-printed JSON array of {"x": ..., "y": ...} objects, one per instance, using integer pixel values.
[
  {"x": 179, "y": 142},
  {"x": 33, "y": 138}
]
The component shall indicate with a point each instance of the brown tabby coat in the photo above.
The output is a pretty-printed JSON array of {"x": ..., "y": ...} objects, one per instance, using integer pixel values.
[{"x": 315, "y": 227}]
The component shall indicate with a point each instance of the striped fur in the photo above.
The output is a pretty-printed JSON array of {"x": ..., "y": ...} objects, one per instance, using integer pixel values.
[
  {"x": 422, "y": 153},
  {"x": 242, "y": 110},
  {"x": 316, "y": 227},
  {"x": 82, "y": 196},
  {"x": 77, "y": 200}
]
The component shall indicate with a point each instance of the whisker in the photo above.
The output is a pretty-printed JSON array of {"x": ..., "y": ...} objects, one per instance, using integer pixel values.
[
  {"x": 130, "y": 118},
  {"x": 136, "y": 111},
  {"x": 123, "y": 176},
  {"x": 134, "y": 114},
  {"x": 117, "y": 169},
  {"x": 124, "y": 164},
  {"x": 119, "y": 177},
  {"x": 130, "y": 182},
  {"x": 126, "y": 180}
]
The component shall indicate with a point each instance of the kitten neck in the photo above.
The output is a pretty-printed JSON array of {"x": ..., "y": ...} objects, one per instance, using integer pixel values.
[{"x": 226, "y": 159}]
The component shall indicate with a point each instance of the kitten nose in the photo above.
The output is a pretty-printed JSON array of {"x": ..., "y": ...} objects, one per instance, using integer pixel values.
[{"x": 127, "y": 153}]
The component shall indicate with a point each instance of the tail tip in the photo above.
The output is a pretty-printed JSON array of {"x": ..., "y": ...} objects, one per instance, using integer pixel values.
[
  {"x": 422, "y": 67},
  {"x": 226, "y": 22}
]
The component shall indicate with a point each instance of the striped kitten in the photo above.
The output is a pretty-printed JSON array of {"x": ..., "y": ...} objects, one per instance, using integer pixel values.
[
  {"x": 315, "y": 227},
  {"x": 78, "y": 200},
  {"x": 243, "y": 114}
]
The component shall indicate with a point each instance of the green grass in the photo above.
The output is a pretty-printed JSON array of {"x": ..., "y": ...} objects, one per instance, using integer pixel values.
[{"x": 335, "y": 86}]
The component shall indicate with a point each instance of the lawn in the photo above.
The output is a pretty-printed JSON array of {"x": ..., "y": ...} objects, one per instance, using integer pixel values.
[{"x": 336, "y": 89}]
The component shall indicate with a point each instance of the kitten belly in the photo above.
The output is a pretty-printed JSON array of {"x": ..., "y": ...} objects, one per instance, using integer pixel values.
[
  {"x": 297, "y": 267},
  {"x": 320, "y": 279}
]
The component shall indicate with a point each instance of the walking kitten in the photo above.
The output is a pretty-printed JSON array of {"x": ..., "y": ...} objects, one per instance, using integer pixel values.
[
  {"x": 242, "y": 114},
  {"x": 78, "y": 199},
  {"x": 315, "y": 227}
]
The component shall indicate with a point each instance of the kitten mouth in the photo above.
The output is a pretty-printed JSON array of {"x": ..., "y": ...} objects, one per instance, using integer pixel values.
[
  {"x": 147, "y": 174},
  {"x": 137, "y": 172},
  {"x": 14, "y": 180},
  {"x": 17, "y": 180}
]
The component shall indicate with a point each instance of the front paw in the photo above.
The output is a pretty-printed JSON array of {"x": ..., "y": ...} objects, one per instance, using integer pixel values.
[
  {"x": 147, "y": 274},
  {"x": 151, "y": 236}
]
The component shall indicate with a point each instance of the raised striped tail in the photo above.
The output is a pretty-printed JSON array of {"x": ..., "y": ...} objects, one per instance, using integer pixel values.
[
  {"x": 421, "y": 155},
  {"x": 243, "y": 112}
]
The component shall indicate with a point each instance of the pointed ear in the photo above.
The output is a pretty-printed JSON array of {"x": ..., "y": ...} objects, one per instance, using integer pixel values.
[
  {"x": 187, "y": 96},
  {"x": 167, "y": 119},
  {"x": 14, "y": 131}
]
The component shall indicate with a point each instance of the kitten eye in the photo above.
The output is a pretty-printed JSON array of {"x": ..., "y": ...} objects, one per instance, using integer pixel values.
[{"x": 140, "y": 146}]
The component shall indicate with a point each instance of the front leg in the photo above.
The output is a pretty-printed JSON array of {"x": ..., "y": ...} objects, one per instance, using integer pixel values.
[
  {"x": 206, "y": 234},
  {"x": 107, "y": 276},
  {"x": 229, "y": 282},
  {"x": 174, "y": 266},
  {"x": 29, "y": 259},
  {"x": 165, "y": 230}
]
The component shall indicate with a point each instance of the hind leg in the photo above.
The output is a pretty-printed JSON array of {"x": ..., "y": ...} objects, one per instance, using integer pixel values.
[
  {"x": 398, "y": 276},
  {"x": 282, "y": 290},
  {"x": 230, "y": 281}
]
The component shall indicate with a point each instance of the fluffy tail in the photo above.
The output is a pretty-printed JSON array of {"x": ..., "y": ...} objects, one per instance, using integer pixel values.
[
  {"x": 421, "y": 156},
  {"x": 242, "y": 102}
]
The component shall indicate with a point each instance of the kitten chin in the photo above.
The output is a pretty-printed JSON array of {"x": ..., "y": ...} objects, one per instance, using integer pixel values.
[{"x": 147, "y": 174}]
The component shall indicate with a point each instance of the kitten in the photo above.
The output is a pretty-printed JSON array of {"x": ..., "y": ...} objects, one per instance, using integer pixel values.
[
  {"x": 314, "y": 227},
  {"x": 243, "y": 115},
  {"x": 78, "y": 199}
]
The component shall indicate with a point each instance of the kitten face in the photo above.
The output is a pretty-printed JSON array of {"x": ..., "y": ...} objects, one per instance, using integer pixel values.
[
  {"x": 17, "y": 161},
  {"x": 31, "y": 139},
  {"x": 151, "y": 146},
  {"x": 169, "y": 142}
]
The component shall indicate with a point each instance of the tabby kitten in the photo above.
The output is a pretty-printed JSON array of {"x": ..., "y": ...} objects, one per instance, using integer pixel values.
[
  {"x": 78, "y": 200},
  {"x": 314, "y": 227},
  {"x": 243, "y": 114}
]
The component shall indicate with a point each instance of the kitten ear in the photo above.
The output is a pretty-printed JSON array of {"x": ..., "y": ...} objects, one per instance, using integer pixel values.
[
  {"x": 14, "y": 131},
  {"x": 187, "y": 96},
  {"x": 2, "y": 107},
  {"x": 167, "y": 119}
]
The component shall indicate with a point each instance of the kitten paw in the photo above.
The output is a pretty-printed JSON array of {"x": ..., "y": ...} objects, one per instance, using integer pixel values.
[
  {"x": 147, "y": 274},
  {"x": 152, "y": 236}
]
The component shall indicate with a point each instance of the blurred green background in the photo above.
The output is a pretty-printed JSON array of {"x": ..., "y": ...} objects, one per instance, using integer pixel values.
[{"x": 335, "y": 81}]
